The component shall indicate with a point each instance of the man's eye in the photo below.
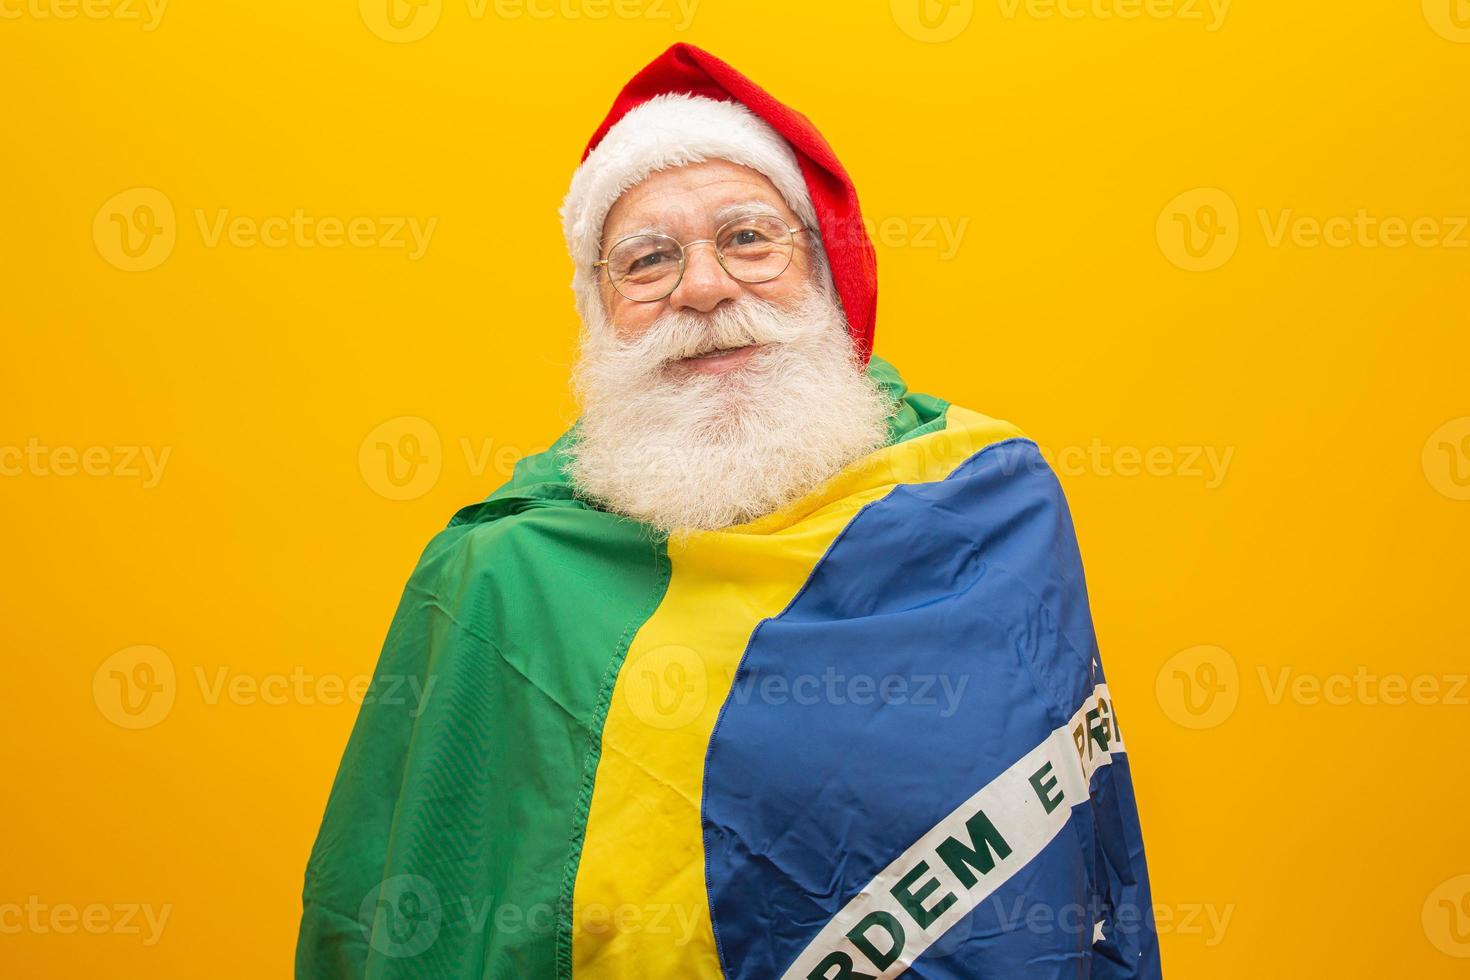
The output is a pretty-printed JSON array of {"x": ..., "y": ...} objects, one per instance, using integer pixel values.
[
  {"x": 746, "y": 236},
  {"x": 646, "y": 261}
]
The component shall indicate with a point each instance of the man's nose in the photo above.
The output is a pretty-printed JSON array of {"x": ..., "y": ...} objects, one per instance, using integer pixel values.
[{"x": 706, "y": 284}]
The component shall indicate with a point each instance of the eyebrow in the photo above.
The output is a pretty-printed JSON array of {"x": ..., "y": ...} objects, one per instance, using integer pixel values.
[
  {"x": 725, "y": 212},
  {"x": 721, "y": 214}
]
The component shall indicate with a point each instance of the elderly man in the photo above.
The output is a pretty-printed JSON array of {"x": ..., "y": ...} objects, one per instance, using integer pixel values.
[{"x": 768, "y": 667}]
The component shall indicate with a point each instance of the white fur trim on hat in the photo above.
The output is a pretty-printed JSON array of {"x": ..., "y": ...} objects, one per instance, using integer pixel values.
[{"x": 670, "y": 130}]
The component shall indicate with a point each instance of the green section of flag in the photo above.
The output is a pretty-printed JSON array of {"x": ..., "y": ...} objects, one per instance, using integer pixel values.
[
  {"x": 917, "y": 415},
  {"x": 449, "y": 826}
]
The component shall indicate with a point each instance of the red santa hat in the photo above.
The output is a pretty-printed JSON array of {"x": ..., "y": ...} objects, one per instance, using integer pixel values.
[{"x": 688, "y": 106}]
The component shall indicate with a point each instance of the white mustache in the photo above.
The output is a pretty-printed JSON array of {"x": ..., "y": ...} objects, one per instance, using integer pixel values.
[{"x": 679, "y": 334}]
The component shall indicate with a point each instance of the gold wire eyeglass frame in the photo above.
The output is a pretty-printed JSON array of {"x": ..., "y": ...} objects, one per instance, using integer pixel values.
[{"x": 601, "y": 264}]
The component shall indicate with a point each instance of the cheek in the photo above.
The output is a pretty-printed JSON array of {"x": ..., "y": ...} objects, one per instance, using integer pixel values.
[
  {"x": 631, "y": 320},
  {"x": 787, "y": 288},
  {"x": 782, "y": 292}
]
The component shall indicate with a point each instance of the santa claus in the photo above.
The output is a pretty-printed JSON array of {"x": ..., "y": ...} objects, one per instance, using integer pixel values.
[{"x": 768, "y": 667}]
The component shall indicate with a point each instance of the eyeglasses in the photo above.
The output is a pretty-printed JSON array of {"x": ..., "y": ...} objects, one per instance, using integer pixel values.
[{"x": 751, "y": 248}]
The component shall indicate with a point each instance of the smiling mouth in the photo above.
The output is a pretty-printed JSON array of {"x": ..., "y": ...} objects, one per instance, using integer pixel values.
[
  {"x": 718, "y": 352},
  {"x": 723, "y": 360}
]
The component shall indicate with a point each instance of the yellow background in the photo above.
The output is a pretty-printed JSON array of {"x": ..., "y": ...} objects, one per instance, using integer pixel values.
[{"x": 1329, "y": 837}]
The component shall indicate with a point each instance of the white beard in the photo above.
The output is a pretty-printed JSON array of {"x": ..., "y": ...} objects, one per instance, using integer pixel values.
[{"x": 705, "y": 451}]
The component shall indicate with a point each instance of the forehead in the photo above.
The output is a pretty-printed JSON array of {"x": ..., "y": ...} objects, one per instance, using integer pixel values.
[{"x": 692, "y": 200}]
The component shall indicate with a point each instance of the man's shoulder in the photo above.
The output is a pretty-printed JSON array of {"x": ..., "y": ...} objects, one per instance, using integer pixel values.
[
  {"x": 981, "y": 429},
  {"x": 530, "y": 531},
  {"x": 968, "y": 439},
  {"x": 942, "y": 424}
]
